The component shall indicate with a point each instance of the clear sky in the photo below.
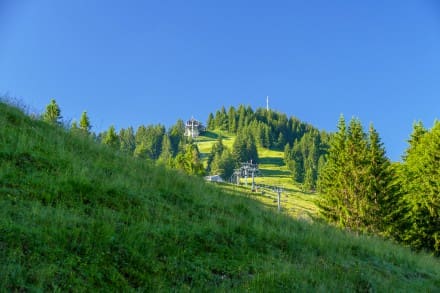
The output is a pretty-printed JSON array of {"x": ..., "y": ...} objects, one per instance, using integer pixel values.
[{"x": 129, "y": 63}]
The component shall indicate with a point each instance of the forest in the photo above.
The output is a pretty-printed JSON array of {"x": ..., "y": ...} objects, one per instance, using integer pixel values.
[{"x": 360, "y": 188}]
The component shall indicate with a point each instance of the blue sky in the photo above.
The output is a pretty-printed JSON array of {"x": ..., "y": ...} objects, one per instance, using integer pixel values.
[{"x": 129, "y": 63}]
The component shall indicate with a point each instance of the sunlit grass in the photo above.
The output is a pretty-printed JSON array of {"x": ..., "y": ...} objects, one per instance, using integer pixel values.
[
  {"x": 77, "y": 216},
  {"x": 273, "y": 173}
]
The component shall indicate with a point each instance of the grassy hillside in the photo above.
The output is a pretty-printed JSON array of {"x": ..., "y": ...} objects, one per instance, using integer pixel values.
[
  {"x": 76, "y": 216},
  {"x": 274, "y": 172}
]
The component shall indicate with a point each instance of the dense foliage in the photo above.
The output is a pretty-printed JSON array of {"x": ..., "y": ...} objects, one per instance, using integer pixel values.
[
  {"x": 355, "y": 179},
  {"x": 419, "y": 224},
  {"x": 361, "y": 190},
  {"x": 304, "y": 146}
]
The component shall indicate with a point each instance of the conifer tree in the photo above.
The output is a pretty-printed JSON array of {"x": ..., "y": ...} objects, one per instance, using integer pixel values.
[
  {"x": 223, "y": 164},
  {"x": 245, "y": 148},
  {"x": 287, "y": 153},
  {"x": 356, "y": 179},
  {"x": 166, "y": 155},
  {"x": 421, "y": 189},
  {"x": 210, "y": 124},
  {"x": 177, "y": 135},
  {"x": 84, "y": 123},
  {"x": 127, "y": 139},
  {"x": 52, "y": 113},
  {"x": 232, "y": 120},
  {"x": 216, "y": 150},
  {"x": 189, "y": 160},
  {"x": 332, "y": 179},
  {"x": 111, "y": 138},
  {"x": 381, "y": 192}
]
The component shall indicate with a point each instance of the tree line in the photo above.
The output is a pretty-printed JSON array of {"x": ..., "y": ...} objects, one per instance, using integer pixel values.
[
  {"x": 363, "y": 191},
  {"x": 360, "y": 188},
  {"x": 304, "y": 146}
]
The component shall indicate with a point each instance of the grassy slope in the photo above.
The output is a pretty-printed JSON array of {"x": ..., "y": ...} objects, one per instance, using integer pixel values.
[
  {"x": 76, "y": 216},
  {"x": 273, "y": 173}
]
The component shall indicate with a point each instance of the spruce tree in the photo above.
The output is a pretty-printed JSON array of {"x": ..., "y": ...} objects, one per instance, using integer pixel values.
[
  {"x": 166, "y": 155},
  {"x": 127, "y": 139},
  {"x": 244, "y": 148},
  {"x": 382, "y": 195},
  {"x": 332, "y": 177},
  {"x": 111, "y": 138},
  {"x": 216, "y": 151},
  {"x": 84, "y": 123},
  {"x": 177, "y": 135},
  {"x": 232, "y": 120},
  {"x": 421, "y": 190},
  {"x": 356, "y": 179},
  {"x": 52, "y": 113},
  {"x": 210, "y": 124},
  {"x": 189, "y": 160}
]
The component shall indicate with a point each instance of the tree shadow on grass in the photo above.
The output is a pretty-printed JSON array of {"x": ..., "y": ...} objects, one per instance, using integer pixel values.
[
  {"x": 271, "y": 161},
  {"x": 275, "y": 173},
  {"x": 210, "y": 134}
]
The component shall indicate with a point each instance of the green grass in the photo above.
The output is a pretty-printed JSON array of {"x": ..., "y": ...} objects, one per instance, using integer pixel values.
[
  {"x": 76, "y": 216},
  {"x": 274, "y": 172}
]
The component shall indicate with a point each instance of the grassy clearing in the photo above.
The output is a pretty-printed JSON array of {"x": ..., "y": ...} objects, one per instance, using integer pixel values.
[
  {"x": 273, "y": 173},
  {"x": 76, "y": 216}
]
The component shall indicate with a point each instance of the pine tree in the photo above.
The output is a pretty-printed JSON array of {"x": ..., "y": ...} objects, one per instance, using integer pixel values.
[
  {"x": 309, "y": 181},
  {"x": 356, "y": 179},
  {"x": 232, "y": 119},
  {"x": 53, "y": 113},
  {"x": 281, "y": 141},
  {"x": 287, "y": 151},
  {"x": 111, "y": 138},
  {"x": 189, "y": 160},
  {"x": 382, "y": 195},
  {"x": 127, "y": 139},
  {"x": 166, "y": 155},
  {"x": 296, "y": 163},
  {"x": 216, "y": 151},
  {"x": 177, "y": 135},
  {"x": 210, "y": 124},
  {"x": 245, "y": 148},
  {"x": 84, "y": 123},
  {"x": 421, "y": 189},
  {"x": 332, "y": 177}
]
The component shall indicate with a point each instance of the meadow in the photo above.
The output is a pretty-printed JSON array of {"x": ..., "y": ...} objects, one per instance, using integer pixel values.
[{"x": 76, "y": 215}]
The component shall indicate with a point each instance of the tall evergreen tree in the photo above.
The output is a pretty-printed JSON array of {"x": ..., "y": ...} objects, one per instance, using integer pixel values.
[
  {"x": 166, "y": 155},
  {"x": 355, "y": 180},
  {"x": 332, "y": 179},
  {"x": 223, "y": 164},
  {"x": 127, "y": 139},
  {"x": 382, "y": 194},
  {"x": 421, "y": 189},
  {"x": 245, "y": 148},
  {"x": 216, "y": 150},
  {"x": 111, "y": 138},
  {"x": 52, "y": 113},
  {"x": 232, "y": 120},
  {"x": 189, "y": 160},
  {"x": 210, "y": 124},
  {"x": 84, "y": 123},
  {"x": 177, "y": 135},
  {"x": 149, "y": 141}
]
